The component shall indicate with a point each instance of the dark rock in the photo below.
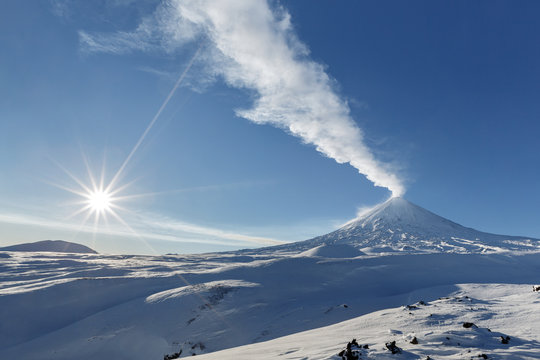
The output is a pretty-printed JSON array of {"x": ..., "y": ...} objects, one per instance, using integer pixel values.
[
  {"x": 536, "y": 287},
  {"x": 366, "y": 346},
  {"x": 468, "y": 325},
  {"x": 173, "y": 356},
  {"x": 483, "y": 356},
  {"x": 421, "y": 302},
  {"x": 505, "y": 339},
  {"x": 353, "y": 351},
  {"x": 393, "y": 348},
  {"x": 414, "y": 341}
]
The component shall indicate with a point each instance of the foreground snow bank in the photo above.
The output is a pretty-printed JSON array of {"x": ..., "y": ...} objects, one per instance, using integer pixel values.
[
  {"x": 495, "y": 321},
  {"x": 59, "y": 306}
]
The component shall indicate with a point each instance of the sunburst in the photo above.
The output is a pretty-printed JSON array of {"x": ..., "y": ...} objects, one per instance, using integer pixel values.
[
  {"x": 100, "y": 201},
  {"x": 96, "y": 198}
]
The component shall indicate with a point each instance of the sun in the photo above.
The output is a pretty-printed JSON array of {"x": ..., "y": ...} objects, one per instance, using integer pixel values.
[
  {"x": 100, "y": 201},
  {"x": 103, "y": 201}
]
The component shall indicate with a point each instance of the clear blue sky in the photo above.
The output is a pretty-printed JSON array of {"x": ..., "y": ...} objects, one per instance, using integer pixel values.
[{"x": 440, "y": 98}]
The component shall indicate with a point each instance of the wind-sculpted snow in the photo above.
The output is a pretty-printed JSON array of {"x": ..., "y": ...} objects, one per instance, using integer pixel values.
[{"x": 218, "y": 287}]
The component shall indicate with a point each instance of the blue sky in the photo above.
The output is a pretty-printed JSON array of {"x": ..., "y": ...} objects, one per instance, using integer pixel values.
[{"x": 285, "y": 112}]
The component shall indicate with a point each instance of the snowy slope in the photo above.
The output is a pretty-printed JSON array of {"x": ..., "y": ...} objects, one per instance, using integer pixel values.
[
  {"x": 96, "y": 306},
  {"x": 509, "y": 312}
]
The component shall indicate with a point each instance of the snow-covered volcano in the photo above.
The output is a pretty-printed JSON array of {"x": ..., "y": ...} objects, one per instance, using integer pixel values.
[{"x": 398, "y": 225}]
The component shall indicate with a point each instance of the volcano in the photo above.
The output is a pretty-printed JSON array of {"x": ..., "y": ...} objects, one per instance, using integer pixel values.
[{"x": 399, "y": 226}]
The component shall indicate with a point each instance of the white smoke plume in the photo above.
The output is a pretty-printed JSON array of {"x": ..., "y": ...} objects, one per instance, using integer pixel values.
[{"x": 254, "y": 46}]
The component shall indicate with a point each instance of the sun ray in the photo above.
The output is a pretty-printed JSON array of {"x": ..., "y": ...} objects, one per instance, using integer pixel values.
[
  {"x": 80, "y": 211},
  {"x": 115, "y": 215},
  {"x": 153, "y": 121},
  {"x": 101, "y": 198},
  {"x": 102, "y": 177},
  {"x": 83, "y": 222},
  {"x": 96, "y": 222},
  {"x": 73, "y": 191},
  {"x": 89, "y": 172},
  {"x": 119, "y": 189},
  {"x": 73, "y": 177}
]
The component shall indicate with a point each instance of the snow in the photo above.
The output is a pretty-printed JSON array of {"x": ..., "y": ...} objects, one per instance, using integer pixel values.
[
  {"x": 333, "y": 251},
  {"x": 303, "y": 300},
  {"x": 497, "y": 310}
]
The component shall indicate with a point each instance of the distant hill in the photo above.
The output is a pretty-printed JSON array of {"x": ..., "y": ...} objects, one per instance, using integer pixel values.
[{"x": 51, "y": 246}]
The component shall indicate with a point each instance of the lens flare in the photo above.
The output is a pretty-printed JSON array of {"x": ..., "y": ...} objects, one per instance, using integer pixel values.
[{"x": 99, "y": 200}]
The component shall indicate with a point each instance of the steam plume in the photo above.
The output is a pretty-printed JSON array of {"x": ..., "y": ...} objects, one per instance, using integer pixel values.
[{"x": 254, "y": 47}]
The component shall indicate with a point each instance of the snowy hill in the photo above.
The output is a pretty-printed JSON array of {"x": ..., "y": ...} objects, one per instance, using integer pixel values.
[
  {"x": 51, "y": 246},
  {"x": 398, "y": 226}
]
